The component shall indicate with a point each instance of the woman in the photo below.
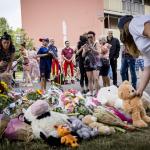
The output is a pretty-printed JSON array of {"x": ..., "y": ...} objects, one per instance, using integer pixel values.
[
  {"x": 26, "y": 65},
  {"x": 92, "y": 63},
  {"x": 80, "y": 61},
  {"x": 104, "y": 69},
  {"x": 135, "y": 33},
  {"x": 7, "y": 52},
  {"x": 34, "y": 66}
]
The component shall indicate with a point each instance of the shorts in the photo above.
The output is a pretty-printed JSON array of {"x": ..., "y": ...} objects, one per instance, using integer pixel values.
[
  {"x": 139, "y": 64},
  {"x": 45, "y": 72},
  {"x": 104, "y": 70}
]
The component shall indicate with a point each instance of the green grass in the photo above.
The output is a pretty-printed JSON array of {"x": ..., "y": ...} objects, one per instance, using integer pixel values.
[{"x": 137, "y": 140}]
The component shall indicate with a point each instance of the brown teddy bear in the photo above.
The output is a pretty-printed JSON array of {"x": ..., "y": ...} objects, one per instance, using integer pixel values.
[
  {"x": 133, "y": 105},
  {"x": 91, "y": 121}
]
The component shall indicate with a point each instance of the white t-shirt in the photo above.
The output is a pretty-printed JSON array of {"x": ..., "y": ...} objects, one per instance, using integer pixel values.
[{"x": 136, "y": 28}]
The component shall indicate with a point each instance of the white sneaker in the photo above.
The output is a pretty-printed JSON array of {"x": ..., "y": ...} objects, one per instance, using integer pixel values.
[{"x": 89, "y": 93}]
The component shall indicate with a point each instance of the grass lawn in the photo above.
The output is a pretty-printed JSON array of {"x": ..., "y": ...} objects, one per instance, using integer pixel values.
[{"x": 138, "y": 140}]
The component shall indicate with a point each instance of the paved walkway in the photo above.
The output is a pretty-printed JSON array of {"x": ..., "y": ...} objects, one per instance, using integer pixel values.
[{"x": 74, "y": 86}]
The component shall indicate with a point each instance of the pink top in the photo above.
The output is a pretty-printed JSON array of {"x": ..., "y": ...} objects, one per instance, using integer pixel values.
[{"x": 105, "y": 50}]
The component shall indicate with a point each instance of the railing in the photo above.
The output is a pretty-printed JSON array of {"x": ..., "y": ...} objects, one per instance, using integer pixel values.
[{"x": 132, "y": 8}]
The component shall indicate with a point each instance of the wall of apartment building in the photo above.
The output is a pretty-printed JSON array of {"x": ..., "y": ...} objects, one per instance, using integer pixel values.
[{"x": 61, "y": 19}]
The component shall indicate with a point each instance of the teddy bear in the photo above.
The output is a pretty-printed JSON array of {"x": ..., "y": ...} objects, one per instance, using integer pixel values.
[
  {"x": 91, "y": 121},
  {"x": 133, "y": 104},
  {"x": 64, "y": 133},
  {"x": 109, "y": 96},
  {"x": 80, "y": 130},
  {"x": 42, "y": 120}
]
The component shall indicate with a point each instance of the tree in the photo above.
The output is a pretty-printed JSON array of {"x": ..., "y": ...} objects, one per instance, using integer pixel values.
[{"x": 18, "y": 36}]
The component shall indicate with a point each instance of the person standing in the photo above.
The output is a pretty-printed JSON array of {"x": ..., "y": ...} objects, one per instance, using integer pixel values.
[
  {"x": 67, "y": 56},
  {"x": 80, "y": 61},
  {"x": 55, "y": 63},
  {"x": 92, "y": 64},
  {"x": 45, "y": 62},
  {"x": 26, "y": 65},
  {"x": 128, "y": 61},
  {"x": 114, "y": 54},
  {"x": 104, "y": 69},
  {"x": 34, "y": 66}
]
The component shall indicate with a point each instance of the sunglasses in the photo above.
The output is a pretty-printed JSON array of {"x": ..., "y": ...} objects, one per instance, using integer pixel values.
[{"x": 90, "y": 37}]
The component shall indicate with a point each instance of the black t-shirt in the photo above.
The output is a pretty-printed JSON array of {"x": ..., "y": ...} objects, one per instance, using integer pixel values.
[{"x": 7, "y": 56}]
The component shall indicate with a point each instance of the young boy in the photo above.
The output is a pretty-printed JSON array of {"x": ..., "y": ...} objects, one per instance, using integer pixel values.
[{"x": 45, "y": 62}]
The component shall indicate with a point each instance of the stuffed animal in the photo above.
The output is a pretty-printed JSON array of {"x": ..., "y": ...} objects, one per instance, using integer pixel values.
[
  {"x": 42, "y": 119},
  {"x": 66, "y": 138},
  {"x": 91, "y": 121},
  {"x": 81, "y": 130},
  {"x": 109, "y": 96},
  {"x": 133, "y": 105}
]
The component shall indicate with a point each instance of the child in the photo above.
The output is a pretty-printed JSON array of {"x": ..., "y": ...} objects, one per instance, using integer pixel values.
[
  {"x": 135, "y": 33},
  {"x": 45, "y": 62}
]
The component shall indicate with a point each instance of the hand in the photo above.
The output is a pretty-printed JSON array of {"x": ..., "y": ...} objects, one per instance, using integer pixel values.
[{"x": 139, "y": 92}]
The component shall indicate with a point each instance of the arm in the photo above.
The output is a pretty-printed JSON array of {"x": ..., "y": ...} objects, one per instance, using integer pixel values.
[
  {"x": 64, "y": 58},
  {"x": 117, "y": 48},
  {"x": 10, "y": 63},
  {"x": 42, "y": 55},
  {"x": 144, "y": 80},
  {"x": 147, "y": 29}
]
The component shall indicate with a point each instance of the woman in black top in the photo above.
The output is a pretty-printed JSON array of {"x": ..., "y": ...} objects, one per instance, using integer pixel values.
[
  {"x": 80, "y": 60},
  {"x": 7, "y": 51}
]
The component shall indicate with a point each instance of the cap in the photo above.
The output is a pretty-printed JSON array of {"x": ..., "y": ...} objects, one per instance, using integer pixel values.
[
  {"x": 123, "y": 20},
  {"x": 44, "y": 39}
]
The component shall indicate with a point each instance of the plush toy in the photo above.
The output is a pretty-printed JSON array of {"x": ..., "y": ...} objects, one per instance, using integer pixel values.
[
  {"x": 42, "y": 119},
  {"x": 65, "y": 134},
  {"x": 81, "y": 130},
  {"x": 133, "y": 105},
  {"x": 91, "y": 121},
  {"x": 109, "y": 96}
]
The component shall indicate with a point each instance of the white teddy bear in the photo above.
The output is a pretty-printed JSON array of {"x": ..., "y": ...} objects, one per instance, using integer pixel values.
[{"x": 109, "y": 95}]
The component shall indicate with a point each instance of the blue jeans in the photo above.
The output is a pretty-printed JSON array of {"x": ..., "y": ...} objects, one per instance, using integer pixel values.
[{"x": 128, "y": 62}]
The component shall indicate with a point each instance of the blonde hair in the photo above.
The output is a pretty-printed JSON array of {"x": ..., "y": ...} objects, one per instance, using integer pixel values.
[{"x": 103, "y": 39}]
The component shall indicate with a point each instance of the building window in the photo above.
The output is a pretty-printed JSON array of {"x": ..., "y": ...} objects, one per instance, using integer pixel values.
[
  {"x": 111, "y": 21},
  {"x": 147, "y": 2},
  {"x": 137, "y": 1}
]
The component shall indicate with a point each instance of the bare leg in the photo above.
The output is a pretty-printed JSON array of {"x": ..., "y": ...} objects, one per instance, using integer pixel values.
[
  {"x": 90, "y": 80},
  {"x": 96, "y": 80}
]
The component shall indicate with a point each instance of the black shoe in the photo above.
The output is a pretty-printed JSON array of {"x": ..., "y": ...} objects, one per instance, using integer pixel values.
[{"x": 86, "y": 91}]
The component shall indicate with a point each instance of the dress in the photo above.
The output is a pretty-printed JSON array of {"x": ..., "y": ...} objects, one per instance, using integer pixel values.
[{"x": 34, "y": 66}]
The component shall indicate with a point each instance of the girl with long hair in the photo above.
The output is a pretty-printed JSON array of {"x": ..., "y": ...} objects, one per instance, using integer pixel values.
[{"x": 135, "y": 34}]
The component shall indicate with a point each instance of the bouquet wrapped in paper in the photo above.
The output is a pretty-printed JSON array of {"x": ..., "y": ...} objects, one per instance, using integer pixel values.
[{"x": 105, "y": 116}]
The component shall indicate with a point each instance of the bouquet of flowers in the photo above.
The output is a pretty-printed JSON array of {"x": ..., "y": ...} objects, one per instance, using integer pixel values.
[
  {"x": 3, "y": 88},
  {"x": 34, "y": 95}
]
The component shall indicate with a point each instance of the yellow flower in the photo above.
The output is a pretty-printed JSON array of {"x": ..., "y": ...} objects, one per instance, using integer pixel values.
[{"x": 39, "y": 92}]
